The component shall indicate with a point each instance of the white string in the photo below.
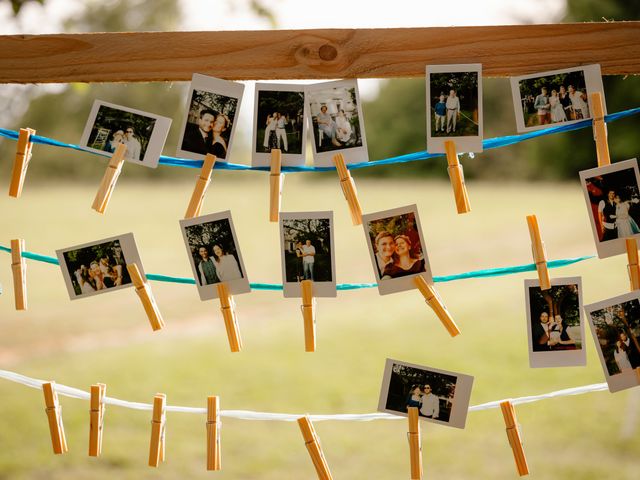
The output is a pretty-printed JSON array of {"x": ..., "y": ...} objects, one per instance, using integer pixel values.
[{"x": 287, "y": 417}]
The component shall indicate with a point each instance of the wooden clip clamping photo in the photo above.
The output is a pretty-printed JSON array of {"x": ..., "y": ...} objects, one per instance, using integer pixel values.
[
  {"x": 109, "y": 179},
  {"x": 21, "y": 162},
  {"x": 456, "y": 175},
  {"x": 539, "y": 253},
  {"x": 54, "y": 415},
  {"x": 276, "y": 179},
  {"x": 158, "y": 421},
  {"x": 308, "y": 315},
  {"x": 213, "y": 433},
  {"x": 600, "y": 129},
  {"x": 146, "y": 297},
  {"x": 632, "y": 267},
  {"x": 202, "y": 183},
  {"x": 19, "y": 270},
  {"x": 312, "y": 442},
  {"x": 433, "y": 300},
  {"x": 96, "y": 415},
  {"x": 349, "y": 189},
  {"x": 227, "y": 307},
  {"x": 415, "y": 443},
  {"x": 515, "y": 440}
]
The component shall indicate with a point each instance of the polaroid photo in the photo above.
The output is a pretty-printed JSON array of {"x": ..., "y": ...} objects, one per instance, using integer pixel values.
[
  {"x": 336, "y": 120},
  {"x": 558, "y": 97},
  {"x": 397, "y": 249},
  {"x": 612, "y": 194},
  {"x": 279, "y": 116},
  {"x": 210, "y": 119},
  {"x": 454, "y": 107},
  {"x": 441, "y": 396},
  {"x": 100, "y": 266},
  {"x": 214, "y": 254},
  {"x": 615, "y": 325},
  {"x": 555, "y": 326},
  {"x": 143, "y": 133},
  {"x": 306, "y": 243}
]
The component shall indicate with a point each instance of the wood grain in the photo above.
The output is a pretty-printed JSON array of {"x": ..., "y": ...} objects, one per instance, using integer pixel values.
[{"x": 316, "y": 54}]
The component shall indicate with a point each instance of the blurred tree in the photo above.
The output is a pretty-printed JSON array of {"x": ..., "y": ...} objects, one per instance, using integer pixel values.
[{"x": 17, "y": 5}]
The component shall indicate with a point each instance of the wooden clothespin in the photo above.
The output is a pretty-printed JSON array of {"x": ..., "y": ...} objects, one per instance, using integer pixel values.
[
  {"x": 146, "y": 297},
  {"x": 158, "y": 425},
  {"x": 276, "y": 180},
  {"x": 312, "y": 442},
  {"x": 433, "y": 300},
  {"x": 19, "y": 270},
  {"x": 456, "y": 175},
  {"x": 54, "y": 415},
  {"x": 21, "y": 162},
  {"x": 638, "y": 374},
  {"x": 202, "y": 183},
  {"x": 96, "y": 415},
  {"x": 513, "y": 434},
  {"x": 415, "y": 444},
  {"x": 539, "y": 253},
  {"x": 109, "y": 179},
  {"x": 227, "y": 307},
  {"x": 349, "y": 189},
  {"x": 309, "y": 315},
  {"x": 213, "y": 433},
  {"x": 632, "y": 267},
  {"x": 600, "y": 129}
]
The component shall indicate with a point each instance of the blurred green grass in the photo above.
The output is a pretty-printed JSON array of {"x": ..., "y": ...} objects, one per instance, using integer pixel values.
[{"x": 108, "y": 339}]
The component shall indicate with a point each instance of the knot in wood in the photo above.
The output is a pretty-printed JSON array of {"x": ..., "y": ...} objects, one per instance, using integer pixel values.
[{"x": 327, "y": 52}]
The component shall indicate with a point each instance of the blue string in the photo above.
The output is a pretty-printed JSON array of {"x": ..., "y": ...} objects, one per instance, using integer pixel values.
[
  {"x": 487, "y": 144},
  {"x": 488, "y": 272}
]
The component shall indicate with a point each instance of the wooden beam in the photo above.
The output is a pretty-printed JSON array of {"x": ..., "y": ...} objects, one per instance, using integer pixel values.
[{"x": 316, "y": 54}]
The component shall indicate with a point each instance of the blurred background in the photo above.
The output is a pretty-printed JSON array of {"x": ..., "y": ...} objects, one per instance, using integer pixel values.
[{"x": 108, "y": 339}]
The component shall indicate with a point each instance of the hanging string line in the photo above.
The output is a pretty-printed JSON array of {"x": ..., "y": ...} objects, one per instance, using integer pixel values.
[
  {"x": 488, "y": 272},
  {"x": 487, "y": 144},
  {"x": 288, "y": 417}
]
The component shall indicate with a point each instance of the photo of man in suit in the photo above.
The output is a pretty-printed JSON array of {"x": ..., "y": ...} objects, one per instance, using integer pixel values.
[{"x": 197, "y": 138}]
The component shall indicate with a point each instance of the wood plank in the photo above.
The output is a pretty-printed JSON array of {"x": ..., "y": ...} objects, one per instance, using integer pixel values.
[{"x": 316, "y": 54}]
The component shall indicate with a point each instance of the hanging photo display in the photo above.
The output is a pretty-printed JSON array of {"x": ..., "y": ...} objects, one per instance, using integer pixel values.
[
  {"x": 336, "y": 122},
  {"x": 555, "y": 328},
  {"x": 278, "y": 122},
  {"x": 110, "y": 125},
  {"x": 557, "y": 97},
  {"x": 210, "y": 118},
  {"x": 454, "y": 107}
]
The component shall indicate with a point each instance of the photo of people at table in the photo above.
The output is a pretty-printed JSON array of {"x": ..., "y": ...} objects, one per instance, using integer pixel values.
[{"x": 335, "y": 119}]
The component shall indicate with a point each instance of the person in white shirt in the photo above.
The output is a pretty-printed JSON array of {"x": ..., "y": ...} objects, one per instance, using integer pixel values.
[
  {"x": 430, "y": 403},
  {"x": 578, "y": 101},
  {"x": 133, "y": 145},
  {"x": 453, "y": 110},
  {"x": 226, "y": 265},
  {"x": 308, "y": 254},
  {"x": 281, "y": 133}
]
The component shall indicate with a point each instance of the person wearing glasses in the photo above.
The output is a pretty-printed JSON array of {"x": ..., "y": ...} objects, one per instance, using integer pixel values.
[
  {"x": 430, "y": 403},
  {"x": 132, "y": 143}
]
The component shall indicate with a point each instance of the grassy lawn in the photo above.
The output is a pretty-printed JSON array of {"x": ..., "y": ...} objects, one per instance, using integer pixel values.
[
  {"x": 108, "y": 339},
  {"x": 464, "y": 126}
]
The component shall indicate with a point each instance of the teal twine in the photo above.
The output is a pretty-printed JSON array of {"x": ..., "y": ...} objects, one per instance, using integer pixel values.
[{"x": 484, "y": 273}]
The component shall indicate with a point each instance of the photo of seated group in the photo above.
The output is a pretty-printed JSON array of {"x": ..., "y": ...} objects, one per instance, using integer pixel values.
[
  {"x": 440, "y": 396},
  {"x": 612, "y": 194},
  {"x": 556, "y": 329},
  {"x": 214, "y": 255},
  {"x": 615, "y": 324},
  {"x": 98, "y": 267}
]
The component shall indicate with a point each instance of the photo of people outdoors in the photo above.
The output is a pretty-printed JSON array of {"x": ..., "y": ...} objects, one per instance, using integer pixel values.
[
  {"x": 554, "y": 97},
  {"x": 213, "y": 252},
  {"x": 98, "y": 267},
  {"x": 335, "y": 118},
  {"x": 614, "y": 200},
  {"x": 397, "y": 246},
  {"x": 432, "y": 393},
  {"x": 113, "y": 127},
  {"x": 617, "y": 328},
  {"x": 307, "y": 249},
  {"x": 280, "y": 121},
  {"x": 555, "y": 318},
  {"x": 454, "y": 98}
]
